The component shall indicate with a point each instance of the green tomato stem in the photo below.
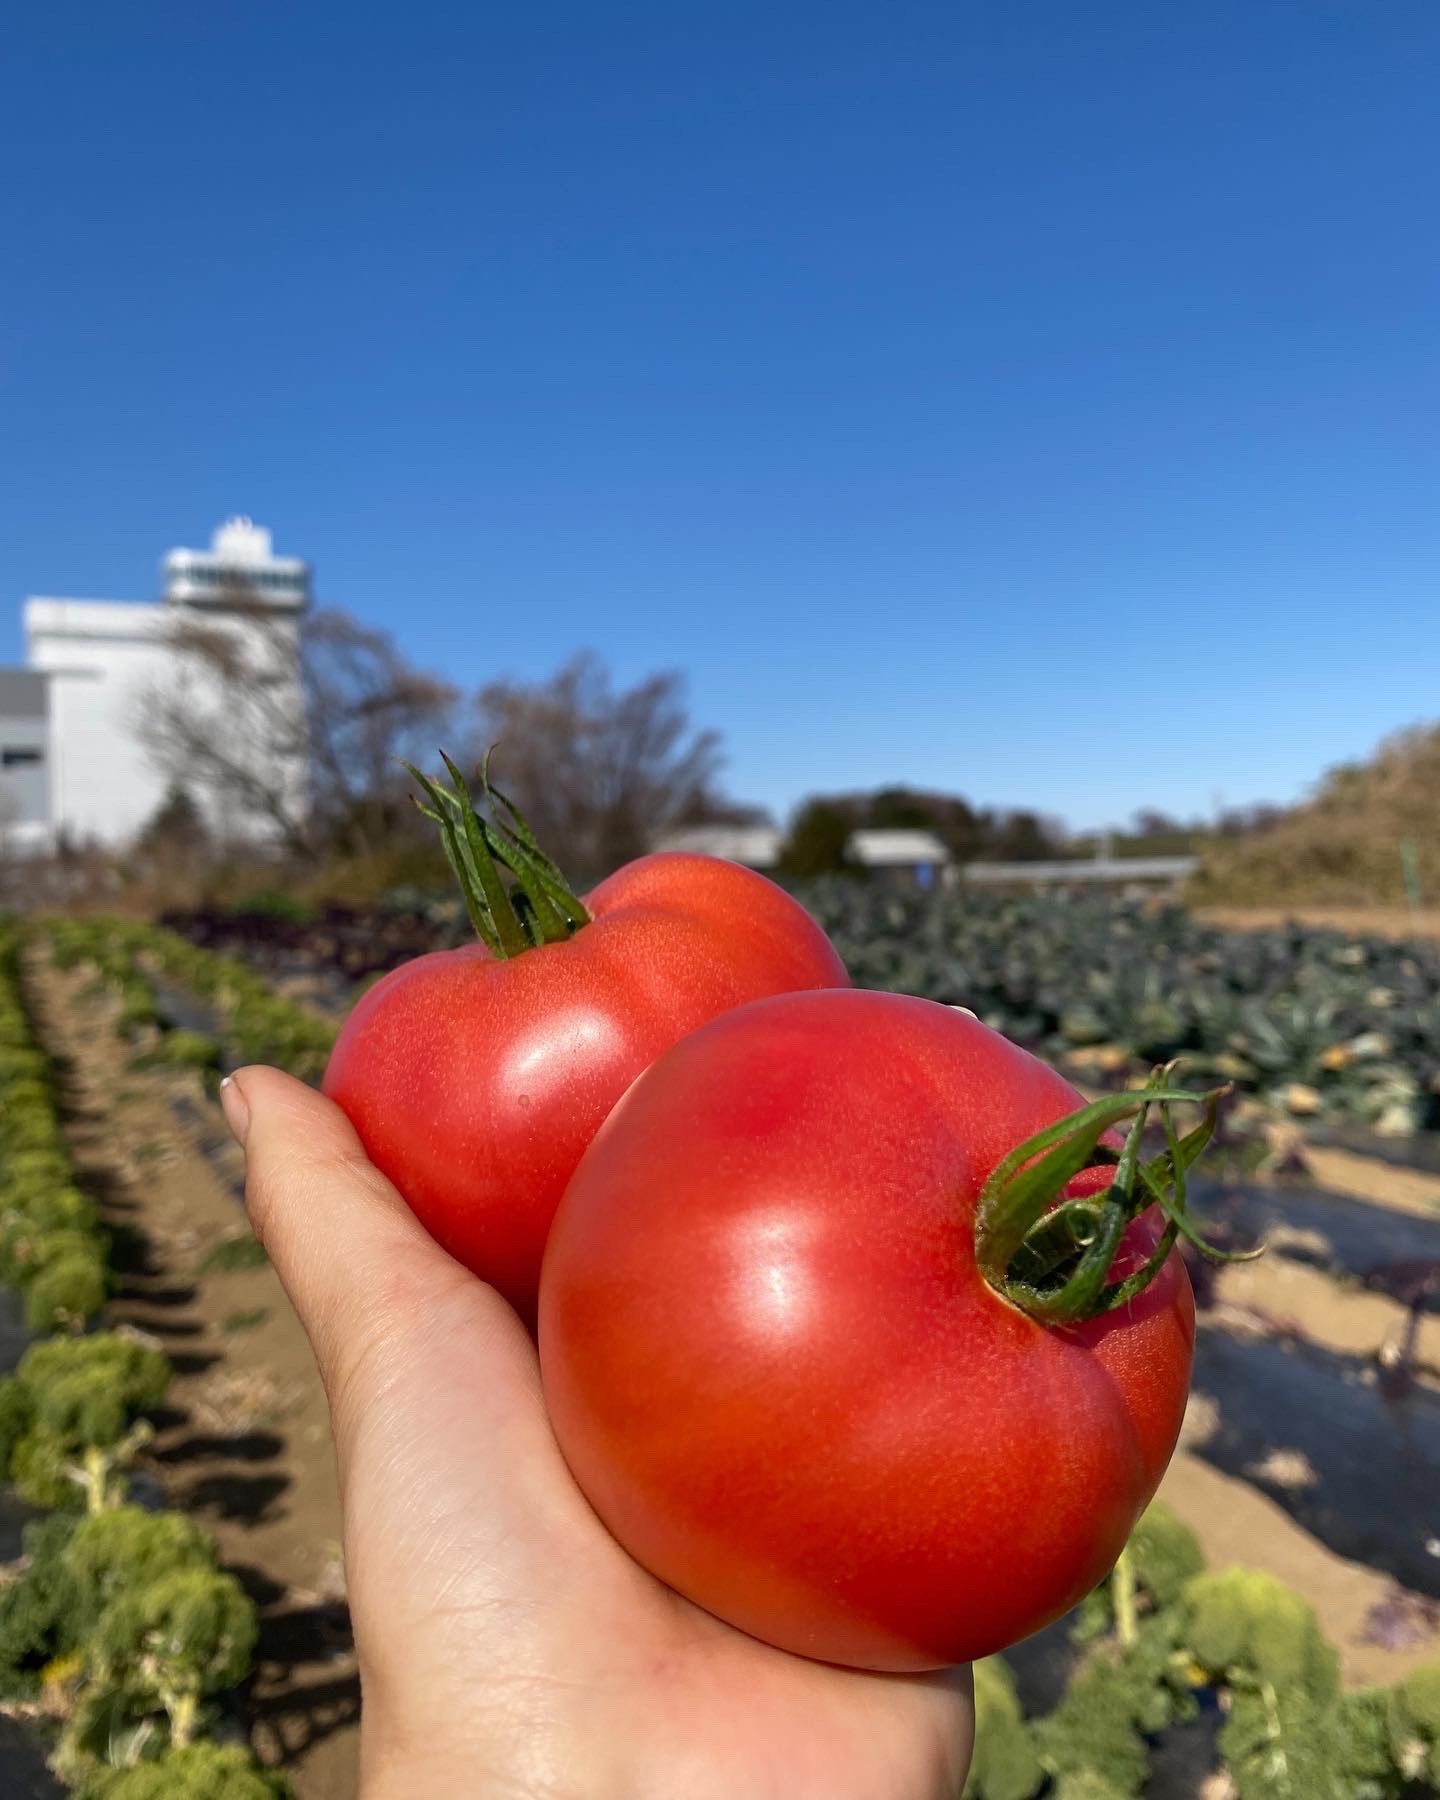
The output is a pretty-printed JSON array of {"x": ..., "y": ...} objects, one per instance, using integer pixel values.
[
  {"x": 1052, "y": 1256},
  {"x": 542, "y": 908}
]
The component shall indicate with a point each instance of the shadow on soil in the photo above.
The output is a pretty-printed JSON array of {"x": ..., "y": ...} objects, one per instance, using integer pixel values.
[
  {"x": 1347, "y": 1238},
  {"x": 289, "y": 1713},
  {"x": 253, "y": 1446},
  {"x": 1347, "y": 1443},
  {"x": 1311, "y": 1428}
]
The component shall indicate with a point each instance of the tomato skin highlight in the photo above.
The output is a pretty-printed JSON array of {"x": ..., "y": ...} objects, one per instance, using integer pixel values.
[
  {"x": 475, "y": 1084},
  {"x": 782, "y": 1382}
]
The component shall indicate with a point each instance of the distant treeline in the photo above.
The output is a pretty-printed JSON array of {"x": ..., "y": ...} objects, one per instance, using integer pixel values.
[{"x": 820, "y": 830}]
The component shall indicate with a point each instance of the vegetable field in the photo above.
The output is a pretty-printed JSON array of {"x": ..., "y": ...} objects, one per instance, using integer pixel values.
[
  {"x": 1320, "y": 1023},
  {"x": 117, "y": 1625},
  {"x": 172, "y": 1628},
  {"x": 1314, "y": 1022},
  {"x": 1310, "y": 1456}
]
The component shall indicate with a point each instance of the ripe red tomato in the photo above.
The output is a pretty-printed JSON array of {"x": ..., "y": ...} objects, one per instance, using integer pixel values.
[
  {"x": 476, "y": 1083},
  {"x": 777, "y": 1372}
]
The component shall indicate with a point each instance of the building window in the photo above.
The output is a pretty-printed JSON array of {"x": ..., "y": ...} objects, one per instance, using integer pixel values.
[{"x": 15, "y": 756}]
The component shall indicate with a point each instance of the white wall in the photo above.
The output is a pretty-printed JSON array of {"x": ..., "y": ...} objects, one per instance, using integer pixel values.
[
  {"x": 98, "y": 653},
  {"x": 102, "y": 655}
]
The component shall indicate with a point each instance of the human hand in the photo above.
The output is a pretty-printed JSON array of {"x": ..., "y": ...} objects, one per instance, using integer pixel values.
[{"x": 507, "y": 1645}]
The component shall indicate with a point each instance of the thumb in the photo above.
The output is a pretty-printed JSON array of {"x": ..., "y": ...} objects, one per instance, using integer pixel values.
[{"x": 358, "y": 1267}]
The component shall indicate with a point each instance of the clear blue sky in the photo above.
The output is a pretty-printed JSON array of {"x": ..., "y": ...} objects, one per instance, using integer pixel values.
[{"x": 1037, "y": 400}]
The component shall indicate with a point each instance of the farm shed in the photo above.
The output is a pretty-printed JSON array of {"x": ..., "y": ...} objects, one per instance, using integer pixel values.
[
  {"x": 904, "y": 858},
  {"x": 756, "y": 846}
]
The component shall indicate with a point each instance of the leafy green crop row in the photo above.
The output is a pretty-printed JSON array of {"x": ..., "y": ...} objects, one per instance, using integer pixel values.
[
  {"x": 258, "y": 1025},
  {"x": 1316, "y": 1021},
  {"x": 116, "y": 1621},
  {"x": 1164, "y": 1639},
  {"x": 52, "y": 1249}
]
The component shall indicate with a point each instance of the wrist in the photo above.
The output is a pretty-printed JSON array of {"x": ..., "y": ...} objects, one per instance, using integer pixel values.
[
  {"x": 397, "y": 1777},
  {"x": 396, "y": 1771}
]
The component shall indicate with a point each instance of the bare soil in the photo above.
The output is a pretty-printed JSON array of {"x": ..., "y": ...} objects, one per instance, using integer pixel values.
[
  {"x": 1363, "y": 921},
  {"x": 244, "y": 1442},
  {"x": 1237, "y": 1525},
  {"x": 1297, "y": 1457}
]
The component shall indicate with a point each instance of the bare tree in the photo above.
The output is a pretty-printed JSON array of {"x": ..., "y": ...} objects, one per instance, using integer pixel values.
[
  {"x": 367, "y": 710},
  {"x": 600, "y": 773},
  {"x": 290, "y": 729}
]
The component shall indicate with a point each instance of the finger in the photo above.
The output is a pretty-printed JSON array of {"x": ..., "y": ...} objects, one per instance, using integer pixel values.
[{"x": 359, "y": 1268}]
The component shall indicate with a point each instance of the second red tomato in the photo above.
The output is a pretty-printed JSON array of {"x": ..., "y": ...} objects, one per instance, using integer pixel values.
[{"x": 777, "y": 1372}]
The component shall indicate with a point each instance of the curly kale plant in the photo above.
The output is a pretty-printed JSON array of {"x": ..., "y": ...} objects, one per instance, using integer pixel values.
[
  {"x": 169, "y": 1642},
  {"x": 69, "y": 1417},
  {"x": 200, "y": 1772}
]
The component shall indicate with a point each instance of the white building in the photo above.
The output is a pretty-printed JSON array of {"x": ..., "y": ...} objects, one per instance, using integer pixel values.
[
  {"x": 910, "y": 858},
  {"x": 757, "y": 846},
  {"x": 73, "y": 755}
]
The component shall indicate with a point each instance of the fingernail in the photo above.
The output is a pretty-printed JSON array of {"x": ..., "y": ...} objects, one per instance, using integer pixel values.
[{"x": 236, "y": 1109}]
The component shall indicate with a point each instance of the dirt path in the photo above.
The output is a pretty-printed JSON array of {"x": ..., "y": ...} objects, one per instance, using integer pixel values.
[
  {"x": 1362, "y": 921},
  {"x": 1367, "y": 1178},
  {"x": 244, "y": 1440}
]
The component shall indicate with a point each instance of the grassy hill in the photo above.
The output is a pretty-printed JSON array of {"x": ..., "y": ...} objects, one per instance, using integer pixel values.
[{"x": 1342, "y": 846}]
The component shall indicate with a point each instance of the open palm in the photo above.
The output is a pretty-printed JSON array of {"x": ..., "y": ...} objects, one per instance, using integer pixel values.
[{"x": 507, "y": 1645}]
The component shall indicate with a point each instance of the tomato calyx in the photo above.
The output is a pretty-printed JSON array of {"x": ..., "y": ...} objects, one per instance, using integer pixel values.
[
  {"x": 540, "y": 907},
  {"x": 1051, "y": 1256}
]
